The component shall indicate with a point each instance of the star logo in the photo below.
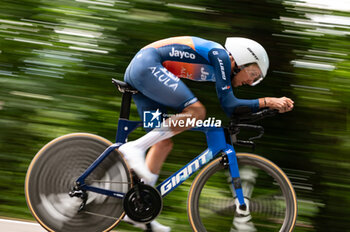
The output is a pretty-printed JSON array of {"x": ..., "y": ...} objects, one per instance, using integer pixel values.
[
  {"x": 155, "y": 115},
  {"x": 152, "y": 119}
]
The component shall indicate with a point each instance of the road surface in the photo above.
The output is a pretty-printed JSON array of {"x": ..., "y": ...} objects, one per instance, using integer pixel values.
[{"x": 19, "y": 226}]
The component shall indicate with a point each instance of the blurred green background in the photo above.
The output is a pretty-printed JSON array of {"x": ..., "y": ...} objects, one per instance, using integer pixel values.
[{"x": 57, "y": 59}]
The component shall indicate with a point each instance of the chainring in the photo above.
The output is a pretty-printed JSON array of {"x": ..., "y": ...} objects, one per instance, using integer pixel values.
[{"x": 143, "y": 203}]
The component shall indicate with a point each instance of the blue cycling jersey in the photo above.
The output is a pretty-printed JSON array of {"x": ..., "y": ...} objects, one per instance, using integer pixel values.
[{"x": 156, "y": 71}]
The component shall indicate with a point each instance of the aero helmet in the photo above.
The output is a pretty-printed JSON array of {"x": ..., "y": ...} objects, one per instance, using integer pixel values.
[{"x": 246, "y": 51}]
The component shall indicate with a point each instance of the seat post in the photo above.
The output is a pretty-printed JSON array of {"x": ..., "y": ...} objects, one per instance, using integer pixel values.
[
  {"x": 125, "y": 107},
  {"x": 127, "y": 91}
]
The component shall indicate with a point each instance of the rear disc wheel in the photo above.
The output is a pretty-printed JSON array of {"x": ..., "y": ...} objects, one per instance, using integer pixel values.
[{"x": 53, "y": 172}]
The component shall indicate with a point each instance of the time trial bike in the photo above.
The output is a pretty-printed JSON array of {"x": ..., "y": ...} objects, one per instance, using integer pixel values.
[{"x": 81, "y": 182}]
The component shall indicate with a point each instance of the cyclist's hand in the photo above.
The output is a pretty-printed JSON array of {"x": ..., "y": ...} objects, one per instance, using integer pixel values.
[{"x": 282, "y": 104}]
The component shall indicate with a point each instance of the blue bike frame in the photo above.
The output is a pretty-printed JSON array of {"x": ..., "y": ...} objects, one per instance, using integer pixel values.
[{"x": 216, "y": 142}]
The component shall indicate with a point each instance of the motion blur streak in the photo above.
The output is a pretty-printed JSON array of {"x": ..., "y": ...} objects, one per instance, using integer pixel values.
[{"x": 57, "y": 59}]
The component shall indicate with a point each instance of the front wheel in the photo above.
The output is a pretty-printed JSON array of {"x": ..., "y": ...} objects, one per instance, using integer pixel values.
[
  {"x": 267, "y": 191},
  {"x": 53, "y": 172}
]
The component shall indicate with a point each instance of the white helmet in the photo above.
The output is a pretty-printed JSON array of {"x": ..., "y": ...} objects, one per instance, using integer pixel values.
[{"x": 246, "y": 51}]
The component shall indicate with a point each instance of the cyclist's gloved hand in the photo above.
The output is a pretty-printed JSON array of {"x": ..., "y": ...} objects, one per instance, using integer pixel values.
[{"x": 282, "y": 104}]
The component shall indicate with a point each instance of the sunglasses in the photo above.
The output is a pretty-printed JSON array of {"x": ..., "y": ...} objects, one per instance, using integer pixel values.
[{"x": 253, "y": 73}]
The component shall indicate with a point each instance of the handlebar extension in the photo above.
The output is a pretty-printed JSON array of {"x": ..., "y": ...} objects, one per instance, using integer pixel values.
[{"x": 242, "y": 116}]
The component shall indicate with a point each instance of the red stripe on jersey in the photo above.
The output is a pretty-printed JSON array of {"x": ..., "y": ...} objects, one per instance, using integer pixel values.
[{"x": 180, "y": 69}]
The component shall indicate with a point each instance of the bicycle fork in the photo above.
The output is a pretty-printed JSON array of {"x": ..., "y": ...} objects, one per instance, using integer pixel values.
[{"x": 235, "y": 178}]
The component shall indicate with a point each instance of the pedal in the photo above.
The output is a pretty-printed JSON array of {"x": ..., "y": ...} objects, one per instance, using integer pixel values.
[
  {"x": 149, "y": 227},
  {"x": 135, "y": 178}
]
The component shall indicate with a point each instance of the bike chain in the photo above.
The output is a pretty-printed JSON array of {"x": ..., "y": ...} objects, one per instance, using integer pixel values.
[
  {"x": 148, "y": 225},
  {"x": 100, "y": 215},
  {"x": 105, "y": 181}
]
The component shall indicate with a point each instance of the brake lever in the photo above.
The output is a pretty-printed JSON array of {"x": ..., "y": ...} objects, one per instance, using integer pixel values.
[
  {"x": 245, "y": 143},
  {"x": 261, "y": 133},
  {"x": 258, "y": 115},
  {"x": 239, "y": 123}
]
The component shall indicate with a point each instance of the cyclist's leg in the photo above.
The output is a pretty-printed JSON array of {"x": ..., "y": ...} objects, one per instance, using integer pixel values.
[
  {"x": 147, "y": 74},
  {"x": 156, "y": 86},
  {"x": 159, "y": 151},
  {"x": 156, "y": 156}
]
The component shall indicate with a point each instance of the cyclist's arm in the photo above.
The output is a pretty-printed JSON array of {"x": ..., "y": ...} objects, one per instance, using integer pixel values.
[
  {"x": 282, "y": 104},
  {"x": 222, "y": 66}
]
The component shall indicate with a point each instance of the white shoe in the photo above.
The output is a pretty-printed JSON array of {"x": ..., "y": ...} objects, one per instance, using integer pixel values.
[
  {"x": 156, "y": 226},
  {"x": 136, "y": 160}
]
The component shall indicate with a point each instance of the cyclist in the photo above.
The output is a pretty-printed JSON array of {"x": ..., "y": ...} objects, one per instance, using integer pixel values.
[{"x": 156, "y": 71}]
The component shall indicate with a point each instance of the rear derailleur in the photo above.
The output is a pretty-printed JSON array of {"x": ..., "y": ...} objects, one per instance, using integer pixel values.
[{"x": 82, "y": 194}]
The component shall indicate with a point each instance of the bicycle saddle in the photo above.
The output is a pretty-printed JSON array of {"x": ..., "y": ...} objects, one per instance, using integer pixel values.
[{"x": 124, "y": 87}]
